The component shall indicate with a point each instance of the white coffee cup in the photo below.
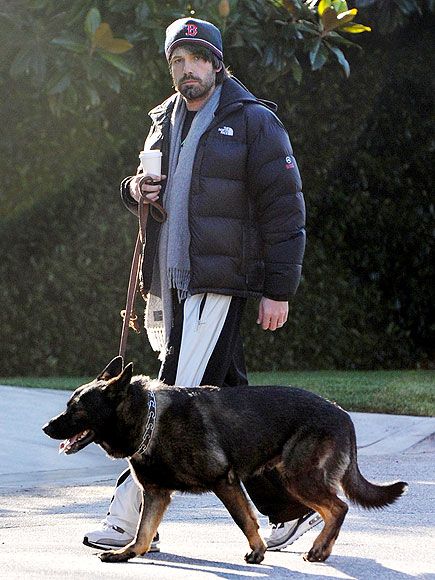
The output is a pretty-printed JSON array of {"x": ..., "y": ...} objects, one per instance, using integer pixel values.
[{"x": 151, "y": 161}]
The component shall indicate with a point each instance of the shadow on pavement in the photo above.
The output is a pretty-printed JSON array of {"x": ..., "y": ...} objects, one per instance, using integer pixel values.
[
  {"x": 225, "y": 570},
  {"x": 353, "y": 567},
  {"x": 357, "y": 568}
]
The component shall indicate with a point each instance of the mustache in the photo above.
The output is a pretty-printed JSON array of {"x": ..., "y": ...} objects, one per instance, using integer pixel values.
[{"x": 188, "y": 77}]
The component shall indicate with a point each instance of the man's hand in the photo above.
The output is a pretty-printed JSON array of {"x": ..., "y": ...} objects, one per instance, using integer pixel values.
[
  {"x": 272, "y": 314},
  {"x": 149, "y": 188}
]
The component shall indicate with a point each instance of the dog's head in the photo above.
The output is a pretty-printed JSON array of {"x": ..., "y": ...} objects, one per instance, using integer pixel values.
[{"x": 90, "y": 413}]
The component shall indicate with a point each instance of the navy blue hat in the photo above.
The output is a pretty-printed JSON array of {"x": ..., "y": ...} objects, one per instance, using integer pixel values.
[{"x": 194, "y": 31}]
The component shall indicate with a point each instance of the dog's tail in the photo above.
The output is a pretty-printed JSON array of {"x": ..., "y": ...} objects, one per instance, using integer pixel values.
[{"x": 366, "y": 494}]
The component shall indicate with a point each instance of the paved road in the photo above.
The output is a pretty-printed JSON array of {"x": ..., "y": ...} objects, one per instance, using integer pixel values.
[{"x": 47, "y": 502}]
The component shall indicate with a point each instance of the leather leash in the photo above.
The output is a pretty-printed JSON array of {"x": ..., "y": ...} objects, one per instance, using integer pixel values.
[{"x": 145, "y": 207}]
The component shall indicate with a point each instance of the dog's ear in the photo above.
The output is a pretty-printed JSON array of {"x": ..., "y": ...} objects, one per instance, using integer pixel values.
[
  {"x": 117, "y": 387},
  {"x": 113, "y": 369},
  {"x": 124, "y": 379}
]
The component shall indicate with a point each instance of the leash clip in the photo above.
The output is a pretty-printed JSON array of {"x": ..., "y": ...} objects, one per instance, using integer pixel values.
[{"x": 132, "y": 323}]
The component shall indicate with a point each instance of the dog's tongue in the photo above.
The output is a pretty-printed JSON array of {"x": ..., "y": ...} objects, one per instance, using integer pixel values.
[{"x": 67, "y": 443}]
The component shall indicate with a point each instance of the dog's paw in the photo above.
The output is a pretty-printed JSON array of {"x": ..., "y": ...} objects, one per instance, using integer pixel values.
[
  {"x": 117, "y": 555},
  {"x": 315, "y": 555},
  {"x": 255, "y": 557}
]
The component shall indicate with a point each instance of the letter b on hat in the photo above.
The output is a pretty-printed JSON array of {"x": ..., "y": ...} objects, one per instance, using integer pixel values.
[{"x": 192, "y": 29}]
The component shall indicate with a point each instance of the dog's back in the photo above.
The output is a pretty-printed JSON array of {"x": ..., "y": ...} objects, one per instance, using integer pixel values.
[{"x": 250, "y": 424}]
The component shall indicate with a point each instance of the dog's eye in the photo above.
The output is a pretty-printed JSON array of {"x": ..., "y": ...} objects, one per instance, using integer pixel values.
[{"x": 71, "y": 403}]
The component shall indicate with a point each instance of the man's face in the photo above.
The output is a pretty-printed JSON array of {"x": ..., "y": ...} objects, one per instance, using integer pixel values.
[{"x": 192, "y": 76}]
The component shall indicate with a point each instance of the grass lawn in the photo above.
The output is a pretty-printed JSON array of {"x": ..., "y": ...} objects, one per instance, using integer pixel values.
[{"x": 396, "y": 392}]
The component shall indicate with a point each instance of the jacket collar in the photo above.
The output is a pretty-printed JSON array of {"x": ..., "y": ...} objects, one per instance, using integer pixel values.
[
  {"x": 234, "y": 91},
  {"x": 234, "y": 95},
  {"x": 163, "y": 111}
]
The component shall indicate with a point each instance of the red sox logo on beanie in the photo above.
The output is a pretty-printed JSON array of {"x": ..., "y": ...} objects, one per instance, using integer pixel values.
[{"x": 191, "y": 29}]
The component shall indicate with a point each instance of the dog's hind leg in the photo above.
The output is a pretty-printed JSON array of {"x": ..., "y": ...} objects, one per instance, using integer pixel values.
[
  {"x": 154, "y": 505},
  {"x": 312, "y": 475},
  {"x": 234, "y": 499},
  {"x": 333, "y": 512}
]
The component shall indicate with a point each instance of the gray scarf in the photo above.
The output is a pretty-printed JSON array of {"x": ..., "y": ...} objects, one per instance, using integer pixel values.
[{"x": 172, "y": 268}]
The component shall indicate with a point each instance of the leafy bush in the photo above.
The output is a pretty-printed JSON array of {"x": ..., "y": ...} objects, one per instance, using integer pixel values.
[{"x": 363, "y": 145}]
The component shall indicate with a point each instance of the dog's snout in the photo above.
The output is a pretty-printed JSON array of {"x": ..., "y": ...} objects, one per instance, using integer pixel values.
[{"x": 48, "y": 429}]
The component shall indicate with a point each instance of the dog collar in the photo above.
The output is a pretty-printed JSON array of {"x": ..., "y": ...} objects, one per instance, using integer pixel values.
[{"x": 150, "y": 425}]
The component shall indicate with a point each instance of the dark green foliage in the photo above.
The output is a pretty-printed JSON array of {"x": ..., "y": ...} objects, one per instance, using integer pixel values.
[
  {"x": 367, "y": 297},
  {"x": 363, "y": 145},
  {"x": 64, "y": 275}
]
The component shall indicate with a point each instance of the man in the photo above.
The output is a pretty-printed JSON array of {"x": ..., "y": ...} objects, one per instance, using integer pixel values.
[{"x": 235, "y": 229}]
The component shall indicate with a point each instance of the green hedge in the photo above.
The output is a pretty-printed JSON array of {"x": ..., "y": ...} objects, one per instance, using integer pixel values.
[{"x": 365, "y": 300}]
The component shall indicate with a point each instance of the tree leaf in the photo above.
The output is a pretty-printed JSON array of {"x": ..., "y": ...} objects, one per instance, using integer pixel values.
[
  {"x": 102, "y": 35},
  {"x": 339, "y": 6},
  {"x": 356, "y": 28},
  {"x": 318, "y": 55},
  {"x": 103, "y": 38},
  {"x": 296, "y": 69},
  {"x": 117, "y": 46},
  {"x": 268, "y": 56},
  {"x": 92, "y": 21},
  {"x": 347, "y": 15},
  {"x": 69, "y": 44},
  {"x": 94, "y": 97},
  {"x": 118, "y": 62},
  {"x": 142, "y": 12},
  {"x": 323, "y": 6},
  {"x": 408, "y": 6},
  {"x": 329, "y": 19},
  {"x": 341, "y": 59},
  {"x": 308, "y": 27},
  {"x": 112, "y": 80},
  {"x": 338, "y": 39}
]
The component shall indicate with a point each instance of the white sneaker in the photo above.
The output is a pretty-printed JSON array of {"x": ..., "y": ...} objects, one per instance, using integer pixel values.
[
  {"x": 109, "y": 536},
  {"x": 286, "y": 533}
]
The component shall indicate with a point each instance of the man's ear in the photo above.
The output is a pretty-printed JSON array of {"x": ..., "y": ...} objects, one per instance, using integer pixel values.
[{"x": 113, "y": 369}]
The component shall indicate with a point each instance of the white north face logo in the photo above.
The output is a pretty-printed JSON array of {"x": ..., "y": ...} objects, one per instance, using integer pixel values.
[{"x": 226, "y": 131}]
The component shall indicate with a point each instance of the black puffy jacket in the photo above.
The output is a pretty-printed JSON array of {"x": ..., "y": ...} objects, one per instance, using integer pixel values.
[{"x": 246, "y": 208}]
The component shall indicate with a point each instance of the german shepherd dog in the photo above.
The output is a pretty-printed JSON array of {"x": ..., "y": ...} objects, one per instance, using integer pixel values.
[{"x": 203, "y": 439}]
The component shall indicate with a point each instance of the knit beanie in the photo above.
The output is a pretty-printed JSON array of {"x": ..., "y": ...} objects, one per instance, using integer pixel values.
[{"x": 194, "y": 31}]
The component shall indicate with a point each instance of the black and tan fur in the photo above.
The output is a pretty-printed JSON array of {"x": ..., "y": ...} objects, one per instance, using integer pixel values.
[{"x": 210, "y": 439}]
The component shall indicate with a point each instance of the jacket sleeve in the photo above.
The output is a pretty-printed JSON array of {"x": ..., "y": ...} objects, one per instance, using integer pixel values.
[
  {"x": 276, "y": 187},
  {"x": 129, "y": 202}
]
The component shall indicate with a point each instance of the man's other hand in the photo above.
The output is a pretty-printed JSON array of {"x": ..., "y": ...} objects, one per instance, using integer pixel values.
[{"x": 272, "y": 314}]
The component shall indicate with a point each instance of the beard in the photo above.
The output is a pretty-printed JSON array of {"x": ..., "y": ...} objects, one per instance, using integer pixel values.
[{"x": 198, "y": 90}]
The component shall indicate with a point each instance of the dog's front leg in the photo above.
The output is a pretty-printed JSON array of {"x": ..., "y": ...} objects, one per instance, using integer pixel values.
[
  {"x": 234, "y": 499},
  {"x": 154, "y": 504}
]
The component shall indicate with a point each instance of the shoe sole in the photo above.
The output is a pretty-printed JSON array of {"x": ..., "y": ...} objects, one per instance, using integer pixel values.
[
  {"x": 86, "y": 542},
  {"x": 313, "y": 523}
]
